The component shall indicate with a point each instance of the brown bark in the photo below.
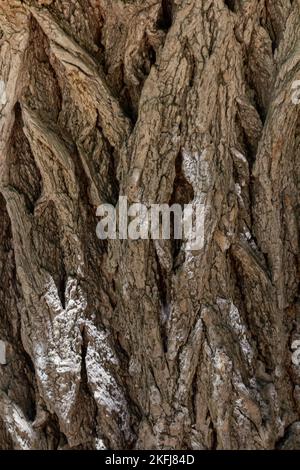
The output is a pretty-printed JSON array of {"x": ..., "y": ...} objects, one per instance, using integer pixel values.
[{"x": 141, "y": 344}]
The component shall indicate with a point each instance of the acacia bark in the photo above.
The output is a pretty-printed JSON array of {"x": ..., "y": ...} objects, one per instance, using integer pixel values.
[{"x": 125, "y": 344}]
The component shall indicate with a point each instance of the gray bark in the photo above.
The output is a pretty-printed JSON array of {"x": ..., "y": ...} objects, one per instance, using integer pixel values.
[{"x": 139, "y": 344}]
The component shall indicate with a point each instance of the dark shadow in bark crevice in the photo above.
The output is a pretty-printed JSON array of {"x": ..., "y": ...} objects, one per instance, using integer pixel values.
[
  {"x": 183, "y": 193},
  {"x": 166, "y": 15}
]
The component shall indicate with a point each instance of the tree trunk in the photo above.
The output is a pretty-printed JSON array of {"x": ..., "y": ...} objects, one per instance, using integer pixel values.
[{"x": 124, "y": 344}]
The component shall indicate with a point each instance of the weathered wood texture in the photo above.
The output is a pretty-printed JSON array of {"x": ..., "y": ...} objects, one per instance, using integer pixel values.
[{"x": 140, "y": 344}]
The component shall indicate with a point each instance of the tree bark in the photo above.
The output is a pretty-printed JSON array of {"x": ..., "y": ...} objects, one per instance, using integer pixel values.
[{"x": 124, "y": 344}]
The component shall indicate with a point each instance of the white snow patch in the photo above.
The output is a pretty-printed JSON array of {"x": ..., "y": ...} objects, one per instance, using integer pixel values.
[
  {"x": 237, "y": 326},
  {"x": 57, "y": 349},
  {"x": 241, "y": 331},
  {"x": 238, "y": 189},
  {"x": 2, "y": 352},
  {"x": 196, "y": 168},
  {"x": 100, "y": 362},
  {"x": 247, "y": 235},
  {"x": 222, "y": 370},
  {"x": 165, "y": 312},
  {"x": 16, "y": 425},
  {"x": 52, "y": 297},
  {"x": 239, "y": 156},
  {"x": 3, "y": 96},
  {"x": 99, "y": 444}
]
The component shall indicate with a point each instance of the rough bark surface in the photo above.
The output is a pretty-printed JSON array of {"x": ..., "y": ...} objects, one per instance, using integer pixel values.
[{"x": 141, "y": 344}]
